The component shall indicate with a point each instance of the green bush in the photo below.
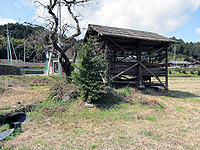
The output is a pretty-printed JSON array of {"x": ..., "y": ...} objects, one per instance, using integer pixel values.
[{"x": 88, "y": 77}]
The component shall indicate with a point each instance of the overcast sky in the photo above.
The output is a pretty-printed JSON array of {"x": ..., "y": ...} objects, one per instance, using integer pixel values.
[{"x": 179, "y": 18}]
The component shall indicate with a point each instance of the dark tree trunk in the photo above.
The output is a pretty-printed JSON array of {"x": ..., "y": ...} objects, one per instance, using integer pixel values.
[
  {"x": 66, "y": 65},
  {"x": 64, "y": 60}
]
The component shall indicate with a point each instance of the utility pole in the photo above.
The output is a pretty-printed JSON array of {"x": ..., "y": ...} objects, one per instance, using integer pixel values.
[
  {"x": 9, "y": 52},
  {"x": 9, "y": 48},
  {"x": 14, "y": 51}
]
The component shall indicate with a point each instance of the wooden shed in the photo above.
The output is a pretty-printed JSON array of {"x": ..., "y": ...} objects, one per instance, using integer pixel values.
[{"x": 133, "y": 56}]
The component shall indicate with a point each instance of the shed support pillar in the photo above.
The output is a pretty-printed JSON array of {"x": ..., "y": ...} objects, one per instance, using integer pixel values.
[
  {"x": 107, "y": 59},
  {"x": 166, "y": 67},
  {"x": 139, "y": 58}
]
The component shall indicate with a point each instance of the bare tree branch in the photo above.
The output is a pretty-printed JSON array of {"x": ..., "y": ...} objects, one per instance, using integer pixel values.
[
  {"x": 78, "y": 31},
  {"x": 53, "y": 26}
]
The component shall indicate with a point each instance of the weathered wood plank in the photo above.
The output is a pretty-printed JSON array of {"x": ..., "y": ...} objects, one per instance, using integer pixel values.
[
  {"x": 122, "y": 68},
  {"x": 139, "y": 62},
  {"x": 126, "y": 82},
  {"x": 132, "y": 63}
]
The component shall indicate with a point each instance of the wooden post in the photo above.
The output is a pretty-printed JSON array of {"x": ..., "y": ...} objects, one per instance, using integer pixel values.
[
  {"x": 150, "y": 63},
  {"x": 166, "y": 67},
  {"x": 106, "y": 57},
  {"x": 139, "y": 58}
]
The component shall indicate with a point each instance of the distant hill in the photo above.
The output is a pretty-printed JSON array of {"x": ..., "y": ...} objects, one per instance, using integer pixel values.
[
  {"x": 185, "y": 51},
  {"x": 36, "y": 38},
  {"x": 19, "y": 31},
  {"x": 24, "y": 35}
]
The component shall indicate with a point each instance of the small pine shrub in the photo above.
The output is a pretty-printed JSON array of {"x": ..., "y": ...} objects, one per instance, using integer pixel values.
[{"x": 88, "y": 77}]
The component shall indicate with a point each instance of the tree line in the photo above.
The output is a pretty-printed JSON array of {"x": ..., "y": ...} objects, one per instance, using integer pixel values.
[
  {"x": 33, "y": 39},
  {"x": 187, "y": 51},
  {"x": 36, "y": 38}
]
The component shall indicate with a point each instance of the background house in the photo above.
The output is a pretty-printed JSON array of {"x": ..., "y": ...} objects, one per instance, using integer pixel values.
[
  {"x": 177, "y": 63},
  {"x": 195, "y": 64},
  {"x": 70, "y": 53}
]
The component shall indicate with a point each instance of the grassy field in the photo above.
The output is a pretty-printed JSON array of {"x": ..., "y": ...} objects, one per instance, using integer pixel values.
[
  {"x": 184, "y": 72},
  {"x": 125, "y": 118}
]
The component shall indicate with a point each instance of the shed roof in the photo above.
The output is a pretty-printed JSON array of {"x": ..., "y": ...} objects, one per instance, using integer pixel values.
[{"x": 128, "y": 33}]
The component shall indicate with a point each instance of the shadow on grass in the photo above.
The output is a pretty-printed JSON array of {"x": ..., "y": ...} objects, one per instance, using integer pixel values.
[
  {"x": 1, "y": 119},
  {"x": 109, "y": 99},
  {"x": 170, "y": 93},
  {"x": 181, "y": 94}
]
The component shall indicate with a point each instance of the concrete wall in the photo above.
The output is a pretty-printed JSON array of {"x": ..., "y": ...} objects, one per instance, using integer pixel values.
[{"x": 6, "y": 69}]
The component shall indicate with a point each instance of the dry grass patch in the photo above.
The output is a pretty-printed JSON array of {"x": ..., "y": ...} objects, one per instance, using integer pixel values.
[{"x": 123, "y": 119}]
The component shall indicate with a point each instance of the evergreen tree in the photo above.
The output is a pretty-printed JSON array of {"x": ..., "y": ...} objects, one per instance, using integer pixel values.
[{"x": 88, "y": 77}]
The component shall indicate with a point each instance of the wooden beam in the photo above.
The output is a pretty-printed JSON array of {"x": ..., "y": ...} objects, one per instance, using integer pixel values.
[
  {"x": 139, "y": 58},
  {"x": 156, "y": 57},
  {"x": 166, "y": 67},
  {"x": 135, "y": 64},
  {"x": 106, "y": 51},
  {"x": 132, "y": 63},
  {"x": 123, "y": 72}
]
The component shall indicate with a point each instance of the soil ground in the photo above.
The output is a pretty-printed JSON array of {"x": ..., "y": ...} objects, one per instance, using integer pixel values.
[{"x": 125, "y": 118}]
